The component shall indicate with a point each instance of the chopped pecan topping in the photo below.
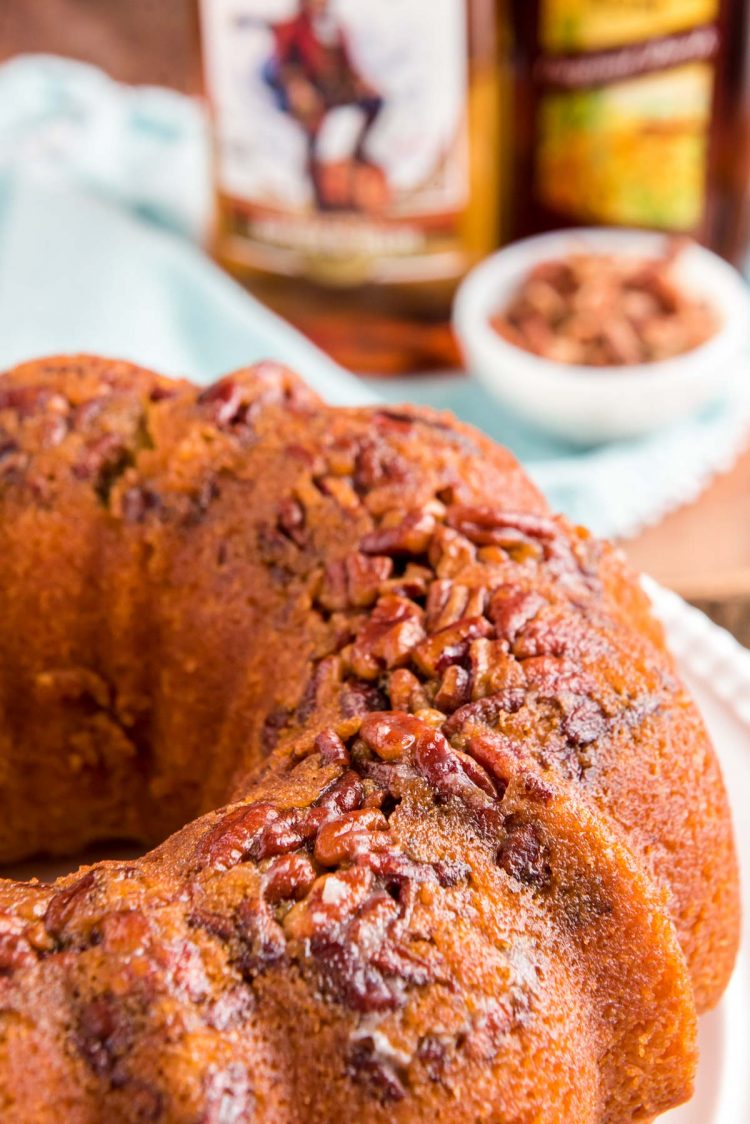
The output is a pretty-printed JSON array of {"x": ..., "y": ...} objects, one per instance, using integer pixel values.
[
  {"x": 480, "y": 776},
  {"x": 364, "y": 965},
  {"x": 367, "y": 1066},
  {"x": 390, "y": 736},
  {"x": 485, "y": 711},
  {"x": 536, "y": 788},
  {"x": 15, "y": 948},
  {"x": 511, "y": 609},
  {"x": 137, "y": 503},
  {"x": 217, "y": 924},
  {"x": 349, "y": 836},
  {"x": 556, "y": 634},
  {"x": 488, "y": 526},
  {"x": 273, "y": 725},
  {"x": 229, "y": 841},
  {"x": 334, "y": 898},
  {"x": 450, "y": 552},
  {"x": 64, "y": 904},
  {"x": 451, "y": 872},
  {"x": 258, "y": 831},
  {"x": 450, "y": 645},
  {"x": 291, "y": 521},
  {"x": 361, "y": 698},
  {"x": 262, "y": 940},
  {"x": 289, "y": 877},
  {"x": 124, "y": 931},
  {"x": 414, "y": 583},
  {"x": 497, "y": 755},
  {"x": 377, "y": 464},
  {"x": 331, "y": 748},
  {"x": 447, "y": 772},
  {"x": 448, "y": 602},
  {"x": 102, "y": 461},
  {"x": 405, "y": 691},
  {"x": 398, "y": 737},
  {"x": 286, "y": 832},
  {"x": 8, "y": 446},
  {"x": 434, "y": 1052},
  {"x": 395, "y": 627},
  {"x": 340, "y": 489},
  {"x": 223, "y": 402},
  {"x": 344, "y": 795},
  {"x": 606, "y": 310},
  {"x": 454, "y": 690},
  {"x": 103, "y": 1035},
  {"x": 234, "y": 402},
  {"x": 493, "y": 670},
  {"x": 411, "y": 536},
  {"x": 523, "y": 855},
  {"x": 585, "y": 723},
  {"x": 353, "y": 581}
]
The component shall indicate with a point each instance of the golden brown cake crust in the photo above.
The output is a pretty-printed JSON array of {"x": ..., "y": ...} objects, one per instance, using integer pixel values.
[{"x": 472, "y": 858}]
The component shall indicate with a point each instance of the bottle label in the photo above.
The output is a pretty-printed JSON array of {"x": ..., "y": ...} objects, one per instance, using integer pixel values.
[
  {"x": 341, "y": 134},
  {"x": 624, "y": 115},
  {"x": 595, "y": 25}
]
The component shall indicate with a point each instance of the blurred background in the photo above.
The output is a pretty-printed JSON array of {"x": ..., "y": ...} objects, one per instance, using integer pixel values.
[
  {"x": 348, "y": 164},
  {"x": 147, "y": 42}
]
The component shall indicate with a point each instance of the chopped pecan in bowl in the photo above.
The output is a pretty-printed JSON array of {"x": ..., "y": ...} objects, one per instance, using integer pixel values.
[
  {"x": 606, "y": 309},
  {"x": 604, "y": 334}
]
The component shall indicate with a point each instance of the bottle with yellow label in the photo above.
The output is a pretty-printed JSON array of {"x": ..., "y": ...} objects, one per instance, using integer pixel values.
[
  {"x": 357, "y": 163},
  {"x": 626, "y": 113}
]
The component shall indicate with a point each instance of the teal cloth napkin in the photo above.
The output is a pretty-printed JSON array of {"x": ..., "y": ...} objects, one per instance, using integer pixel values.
[
  {"x": 104, "y": 192},
  {"x": 78, "y": 273}
]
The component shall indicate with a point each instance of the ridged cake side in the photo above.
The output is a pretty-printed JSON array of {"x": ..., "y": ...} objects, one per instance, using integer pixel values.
[{"x": 477, "y": 859}]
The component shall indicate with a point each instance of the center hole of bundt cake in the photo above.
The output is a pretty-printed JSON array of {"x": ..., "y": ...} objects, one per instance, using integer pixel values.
[{"x": 47, "y": 869}]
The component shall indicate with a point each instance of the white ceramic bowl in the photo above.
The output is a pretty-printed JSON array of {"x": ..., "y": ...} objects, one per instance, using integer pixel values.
[{"x": 587, "y": 405}]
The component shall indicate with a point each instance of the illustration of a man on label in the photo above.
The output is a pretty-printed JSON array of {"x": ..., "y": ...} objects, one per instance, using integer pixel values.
[{"x": 311, "y": 72}]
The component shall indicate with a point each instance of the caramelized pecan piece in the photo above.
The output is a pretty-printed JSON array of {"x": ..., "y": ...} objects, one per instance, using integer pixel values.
[
  {"x": 353, "y": 581},
  {"x": 15, "y": 948},
  {"x": 450, "y": 645},
  {"x": 411, "y": 536},
  {"x": 367, "y": 1066},
  {"x": 288, "y": 878},
  {"x": 393, "y": 630},
  {"x": 353, "y": 834},
  {"x": 523, "y": 855},
  {"x": 262, "y": 939}
]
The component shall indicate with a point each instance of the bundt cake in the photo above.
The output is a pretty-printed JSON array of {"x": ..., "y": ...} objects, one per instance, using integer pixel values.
[{"x": 439, "y": 834}]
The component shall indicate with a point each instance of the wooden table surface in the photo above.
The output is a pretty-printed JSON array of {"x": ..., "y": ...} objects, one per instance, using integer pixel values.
[{"x": 702, "y": 551}]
